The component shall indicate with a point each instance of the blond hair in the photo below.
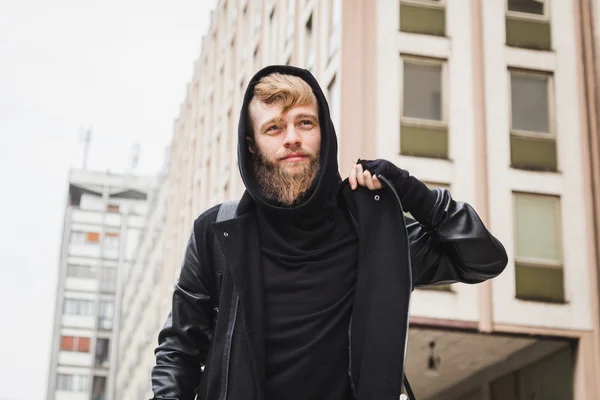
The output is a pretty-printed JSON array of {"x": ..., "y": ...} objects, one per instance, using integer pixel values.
[{"x": 288, "y": 91}]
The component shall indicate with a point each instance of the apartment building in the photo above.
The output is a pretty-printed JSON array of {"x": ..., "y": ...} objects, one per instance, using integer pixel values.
[
  {"x": 493, "y": 99},
  {"x": 104, "y": 215},
  {"x": 140, "y": 312}
]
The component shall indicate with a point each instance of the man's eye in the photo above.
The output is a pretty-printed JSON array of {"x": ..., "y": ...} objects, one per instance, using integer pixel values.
[
  {"x": 306, "y": 122},
  {"x": 272, "y": 128}
]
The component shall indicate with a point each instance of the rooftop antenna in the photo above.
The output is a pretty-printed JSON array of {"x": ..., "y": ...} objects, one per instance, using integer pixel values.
[
  {"x": 135, "y": 157},
  {"x": 85, "y": 136}
]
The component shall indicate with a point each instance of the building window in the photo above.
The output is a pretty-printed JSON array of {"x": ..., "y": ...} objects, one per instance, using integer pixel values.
[
  {"x": 423, "y": 128},
  {"x": 99, "y": 388},
  {"x": 333, "y": 94},
  {"x": 256, "y": 60},
  {"x": 309, "y": 44},
  {"x": 533, "y": 142},
  {"x": 77, "y": 237},
  {"x": 92, "y": 237},
  {"x": 77, "y": 307},
  {"x": 80, "y": 271},
  {"x": 108, "y": 279},
  {"x": 289, "y": 29},
  {"x": 106, "y": 314},
  {"x": 102, "y": 351},
  {"x": 528, "y": 24},
  {"x": 427, "y": 17},
  {"x": 335, "y": 22},
  {"x": 111, "y": 240},
  {"x": 114, "y": 208},
  {"x": 75, "y": 343},
  {"x": 72, "y": 383},
  {"x": 538, "y": 260},
  {"x": 257, "y": 18},
  {"x": 273, "y": 28}
]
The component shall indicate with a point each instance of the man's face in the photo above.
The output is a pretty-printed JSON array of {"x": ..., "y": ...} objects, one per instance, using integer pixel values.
[{"x": 285, "y": 148}]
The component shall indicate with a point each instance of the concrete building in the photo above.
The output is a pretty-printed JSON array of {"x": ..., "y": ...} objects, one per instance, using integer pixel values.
[
  {"x": 104, "y": 214},
  {"x": 140, "y": 312},
  {"x": 496, "y": 100}
]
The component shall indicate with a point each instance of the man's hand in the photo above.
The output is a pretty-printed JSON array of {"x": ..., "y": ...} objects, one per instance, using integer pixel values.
[
  {"x": 415, "y": 197},
  {"x": 361, "y": 177}
]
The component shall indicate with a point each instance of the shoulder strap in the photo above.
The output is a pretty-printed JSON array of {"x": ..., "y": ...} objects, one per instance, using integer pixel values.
[{"x": 226, "y": 211}]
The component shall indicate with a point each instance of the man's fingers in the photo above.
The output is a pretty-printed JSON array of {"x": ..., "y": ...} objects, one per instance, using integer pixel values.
[
  {"x": 369, "y": 180},
  {"x": 359, "y": 175},
  {"x": 352, "y": 178},
  {"x": 377, "y": 183}
]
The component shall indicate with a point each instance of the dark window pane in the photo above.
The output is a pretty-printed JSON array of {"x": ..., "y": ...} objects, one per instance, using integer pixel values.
[
  {"x": 526, "y": 6},
  {"x": 102, "y": 347},
  {"x": 423, "y": 91},
  {"x": 539, "y": 283},
  {"x": 421, "y": 141},
  {"x": 533, "y": 153},
  {"x": 415, "y": 18},
  {"x": 99, "y": 388},
  {"x": 529, "y": 98}
]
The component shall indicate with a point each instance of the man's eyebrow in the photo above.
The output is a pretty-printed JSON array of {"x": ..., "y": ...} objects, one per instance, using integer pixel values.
[
  {"x": 269, "y": 122},
  {"x": 313, "y": 116}
]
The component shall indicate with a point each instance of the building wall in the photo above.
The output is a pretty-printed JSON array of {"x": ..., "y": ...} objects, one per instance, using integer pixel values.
[
  {"x": 203, "y": 168},
  {"x": 140, "y": 319},
  {"x": 362, "y": 75},
  {"x": 103, "y": 219}
]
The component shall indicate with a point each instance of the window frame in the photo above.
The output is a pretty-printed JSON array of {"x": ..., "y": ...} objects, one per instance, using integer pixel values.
[
  {"x": 78, "y": 305},
  {"x": 540, "y": 262},
  {"x": 551, "y": 135},
  {"x": 545, "y": 17},
  {"x": 426, "y": 3},
  {"x": 428, "y": 61},
  {"x": 77, "y": 268}
]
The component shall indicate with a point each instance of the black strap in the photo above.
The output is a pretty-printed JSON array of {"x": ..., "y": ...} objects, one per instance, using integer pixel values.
[
  {"x": 226, "y": 211},
  {"x": 409, "y": 391}
]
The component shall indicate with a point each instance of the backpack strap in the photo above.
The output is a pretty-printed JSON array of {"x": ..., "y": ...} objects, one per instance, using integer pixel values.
[{"x": 227, "y": 211}]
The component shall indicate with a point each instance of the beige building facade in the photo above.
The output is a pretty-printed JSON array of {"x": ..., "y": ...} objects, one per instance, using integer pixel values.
[{"x": 496, "y": 100}]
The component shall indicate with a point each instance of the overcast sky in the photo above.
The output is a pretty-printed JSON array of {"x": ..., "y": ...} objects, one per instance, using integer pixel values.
[{"x": 120, "y": 66}]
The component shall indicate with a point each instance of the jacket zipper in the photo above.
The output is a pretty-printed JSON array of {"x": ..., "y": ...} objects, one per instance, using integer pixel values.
[
  {"x": 227, "y": 349},
  {"x": 389, "y": 184}
]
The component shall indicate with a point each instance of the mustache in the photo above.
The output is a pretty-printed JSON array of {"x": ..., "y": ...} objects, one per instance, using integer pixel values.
[{"x": 298, "y": 153}]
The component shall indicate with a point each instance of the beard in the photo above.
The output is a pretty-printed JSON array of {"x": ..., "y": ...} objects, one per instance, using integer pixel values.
[{"x": 285, "y": 185}]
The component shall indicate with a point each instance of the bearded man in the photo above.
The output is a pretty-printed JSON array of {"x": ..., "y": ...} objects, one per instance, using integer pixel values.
[{"x": 312, "y": 302}]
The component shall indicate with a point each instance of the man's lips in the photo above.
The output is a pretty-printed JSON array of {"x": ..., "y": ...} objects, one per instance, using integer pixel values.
[{"x": 294, "y": 157}]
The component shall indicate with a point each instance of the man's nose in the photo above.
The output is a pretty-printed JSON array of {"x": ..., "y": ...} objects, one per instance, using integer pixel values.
[{"x": 292, "y": 138}]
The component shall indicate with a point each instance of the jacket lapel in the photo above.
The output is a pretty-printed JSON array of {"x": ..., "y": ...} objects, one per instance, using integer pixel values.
[{"x": 239, "y": 242}]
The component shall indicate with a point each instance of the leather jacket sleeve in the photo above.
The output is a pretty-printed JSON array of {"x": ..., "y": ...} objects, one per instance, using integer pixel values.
[
  {"x": 453, "y": 245},
  {"x": 185, "y": 338}
]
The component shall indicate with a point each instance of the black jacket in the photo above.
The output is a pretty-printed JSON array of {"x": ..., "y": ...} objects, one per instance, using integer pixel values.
[
  {"x": 395, "y": 256},
  {"x": 221, "y": 358}
]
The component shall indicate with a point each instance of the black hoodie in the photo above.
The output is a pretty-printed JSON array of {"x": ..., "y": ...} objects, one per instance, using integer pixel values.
[{"x": 309, "y": 266}]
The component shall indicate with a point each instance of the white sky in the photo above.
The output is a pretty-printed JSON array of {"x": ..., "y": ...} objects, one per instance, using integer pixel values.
[{"x": 119, "y": 66}]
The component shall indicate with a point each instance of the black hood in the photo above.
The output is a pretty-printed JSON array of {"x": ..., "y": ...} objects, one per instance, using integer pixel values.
[{"x": 324, "y": 189}]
